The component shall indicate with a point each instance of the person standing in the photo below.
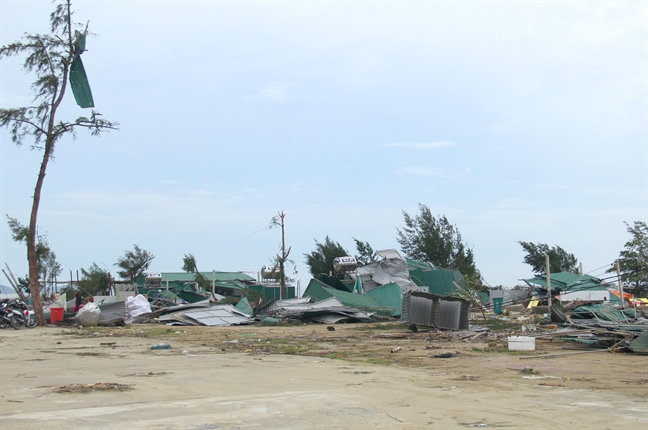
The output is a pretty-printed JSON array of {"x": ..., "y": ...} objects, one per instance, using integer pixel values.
[{"x": 78, "y": 301}]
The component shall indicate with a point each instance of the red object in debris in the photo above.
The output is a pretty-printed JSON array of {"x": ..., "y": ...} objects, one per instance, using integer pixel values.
[{"x": 56, "y": 314}]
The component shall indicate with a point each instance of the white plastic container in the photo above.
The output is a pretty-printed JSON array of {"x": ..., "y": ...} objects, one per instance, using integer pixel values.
[{"x": 521, "y": 343}]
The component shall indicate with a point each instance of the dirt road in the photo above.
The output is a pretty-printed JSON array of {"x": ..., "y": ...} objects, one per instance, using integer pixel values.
[{"x": 305, "y": 377}]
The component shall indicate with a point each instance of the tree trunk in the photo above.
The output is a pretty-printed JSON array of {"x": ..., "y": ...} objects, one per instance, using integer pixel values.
[{"x": 32, "y": 256}]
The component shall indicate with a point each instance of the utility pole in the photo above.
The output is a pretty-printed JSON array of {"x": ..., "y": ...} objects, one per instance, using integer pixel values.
[
  {"x": 278, "y": 221},
  {"x": 618, "y": 268},
  {"x": 548, "y": 283},
  {"x": 282, "y": 260}
]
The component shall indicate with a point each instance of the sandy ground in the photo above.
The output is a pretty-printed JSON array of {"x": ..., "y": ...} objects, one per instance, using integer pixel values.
[{"x": 308, "y": 377}]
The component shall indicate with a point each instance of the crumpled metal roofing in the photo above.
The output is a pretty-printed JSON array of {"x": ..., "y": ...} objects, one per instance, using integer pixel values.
[
  {"x": 599, "y": 311},
  {"x": 219, "y": 315},
  {"x": 112, "y": 313},
  {"x": 320, "y": 291},
  {"x": 244, "y": 306},
  {"x": 278, "y": 304},
  {"x": 329, "y": 311},
  {"x": 568, "y": 281},
  {"x": 640, "y": 344}
]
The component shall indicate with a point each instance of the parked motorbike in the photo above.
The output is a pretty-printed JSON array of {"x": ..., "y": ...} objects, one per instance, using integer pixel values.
[
  {"x": 7, "y": 316},
  {"x": 22, "y": 314}
]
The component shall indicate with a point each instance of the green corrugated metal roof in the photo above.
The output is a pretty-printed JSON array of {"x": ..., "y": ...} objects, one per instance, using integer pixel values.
[
  {"x": 390, "y": 295},
  {"x": 568, "y": 281},
  {"x": 191, "y": 297},
  {"x": 320, "y": 291},
  {"x": 439, "y": 281},
  {"x": 184, "y": 277},
  {"x": 600, "y": 311},
  {"x": 244, "y": 306},
  {"x": 78, "y": 78},
  {"x": 234, "y": 285},
  {"x": 272, "y": 293},
  {"x": 640, "y": 344}
]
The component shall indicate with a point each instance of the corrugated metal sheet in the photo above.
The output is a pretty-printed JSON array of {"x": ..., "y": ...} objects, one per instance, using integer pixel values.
[
  {"x": 454, "y": 313},
  {"x": 191, "y": 297},
  {"x": 440, "y": 281},
  {"x": 434, "y": 310},
  {"x": 277, "y": 304},
  {"x": 79, "y": 83},
  {"x": 390, "y": 295},
  {"x": 420, "y": 308},
  {"x": 112, "y": 313},
  {"x": 329, "y": 311},
  {"x": 319, "y": 291},
  {"x": 220, "y": 315},
  {"x": 244, "y": 306},
  {"x": 640, "y": 344},
  {"x": 599, "y": 311}
]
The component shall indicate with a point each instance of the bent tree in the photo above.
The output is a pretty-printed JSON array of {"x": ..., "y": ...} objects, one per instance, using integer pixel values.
[{"x": 50, "y": 58}]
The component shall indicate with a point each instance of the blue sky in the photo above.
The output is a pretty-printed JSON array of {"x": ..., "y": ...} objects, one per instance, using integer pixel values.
[{"x": 517, "y": 120}]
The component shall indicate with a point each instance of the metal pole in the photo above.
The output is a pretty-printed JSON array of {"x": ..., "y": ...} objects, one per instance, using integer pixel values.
[
  {"x": 548, "y": 283},
  {"x": 620, "y": 284},
  {"x": 214, "y": 284},
  {"x": 581, "y": 268}
]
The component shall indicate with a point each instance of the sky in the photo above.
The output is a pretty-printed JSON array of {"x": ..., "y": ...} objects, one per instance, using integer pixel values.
[{"x": 518, "y": 120}]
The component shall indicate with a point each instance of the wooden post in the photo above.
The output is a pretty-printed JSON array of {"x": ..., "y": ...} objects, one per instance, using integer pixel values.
[{"x": 620, "y": 284}]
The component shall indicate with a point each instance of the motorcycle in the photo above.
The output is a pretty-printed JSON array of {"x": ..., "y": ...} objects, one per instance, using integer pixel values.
[
  {"x": 7, "y": 317},
  {"x": 22, "y": 314}
]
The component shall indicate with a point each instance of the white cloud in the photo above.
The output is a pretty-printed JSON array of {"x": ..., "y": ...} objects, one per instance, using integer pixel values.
[
  {"x": 275, "y": 92},
  {"x": 435, "y": 172},
  {"x": 422, "y": 145}
]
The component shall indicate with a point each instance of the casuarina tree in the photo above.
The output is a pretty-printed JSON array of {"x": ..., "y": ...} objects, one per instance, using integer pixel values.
[
  {"x": 559, "y": 259},
  {"x": 53, "y": 58},
  {"x": 134, "y": 263},
  {"x": 321, "y": 259},
  {"x": 435, "y": 240},
  {"x": 633, "y": 260}
]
